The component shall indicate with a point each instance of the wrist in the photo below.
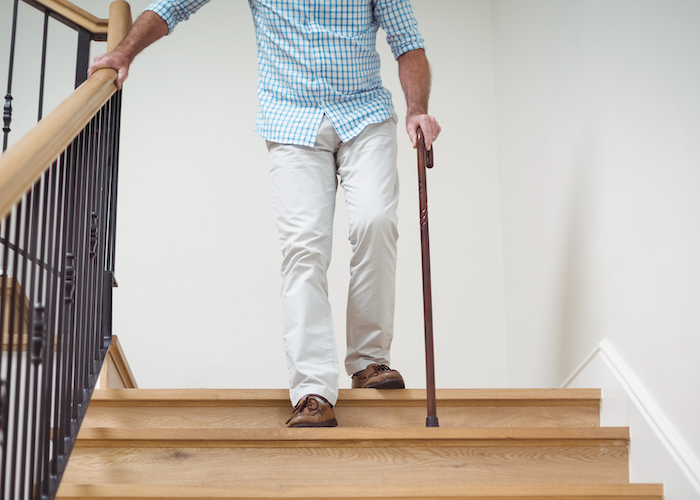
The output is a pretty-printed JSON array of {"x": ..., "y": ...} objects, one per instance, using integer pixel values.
[
  {"x": 416, "y": 112},
  {"x": 124, "y": 52}
]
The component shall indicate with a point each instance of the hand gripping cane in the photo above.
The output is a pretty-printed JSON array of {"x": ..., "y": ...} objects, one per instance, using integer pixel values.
[{"x": 425, "y": 160}]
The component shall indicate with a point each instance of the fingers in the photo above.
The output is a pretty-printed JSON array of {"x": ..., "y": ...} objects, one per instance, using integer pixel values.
[
  {"x": 122, "y": 75},
  {"x": 413, "y": 136},
  {"x": 113, "y": 61},
  {"x": 428, "y": 124}
]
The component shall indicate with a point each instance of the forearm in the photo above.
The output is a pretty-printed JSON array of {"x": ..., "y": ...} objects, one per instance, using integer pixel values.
[
  {"x": 414, "y": 74},
  {"x": 148, "y": 28}
]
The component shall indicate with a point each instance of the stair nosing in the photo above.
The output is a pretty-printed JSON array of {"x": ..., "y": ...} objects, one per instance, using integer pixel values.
[
  {"x": 353, "y": 437},
  {"x": 347, "y": 397},
  {"x": 652, "y": 490}
]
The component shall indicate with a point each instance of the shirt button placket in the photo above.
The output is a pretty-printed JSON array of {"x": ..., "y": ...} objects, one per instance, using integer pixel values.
[{"x": 317, "y": 51}]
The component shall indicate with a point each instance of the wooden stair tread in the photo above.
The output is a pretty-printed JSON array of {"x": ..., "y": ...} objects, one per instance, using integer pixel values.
[
  {"x": 474, "y": 492},
  {"x": 520, "y": 444},
  {"x": 347, "y": 397},
  {"x": 354, "y": 437},
  {"x": 329, "y": 467},
  {"x": 204, "y": 416},
  {"x": 270, "y": 408}
]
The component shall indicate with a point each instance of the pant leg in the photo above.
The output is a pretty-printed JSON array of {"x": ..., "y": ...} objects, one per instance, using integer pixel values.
[
  {"x": 303, "y": 182},
  {"x": 369, "y": 177}
]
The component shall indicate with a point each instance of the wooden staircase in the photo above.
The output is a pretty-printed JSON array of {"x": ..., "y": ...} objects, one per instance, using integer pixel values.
[{"x": 216, "y": 444}]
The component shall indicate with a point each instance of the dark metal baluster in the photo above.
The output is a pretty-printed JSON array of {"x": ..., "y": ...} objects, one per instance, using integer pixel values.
[
  {"x": 87, "y": 331},
  {"x": 31, "y": 232},
  {"x": 39, "y": 342},
  {"x": 5, "y": 407},
  {"x": 54, "y": 239},
  {"x": 95, "y": 293},
  {"x": 90, "y": 256},
  {"x": 43, "y": 65},
  {"x": 112, "y": 215},
  {"x": 67, "y": 307},
  {"x": 38, "y": 346},
  {"x": 23, "y": 325},
  {"x": 106, "y": 275},
  {"x": 7, "y": 109},
  {"x": 81, "y": 239},
  {"x": 11, "y": 459},
  {"x": 81, "y": 234},
  {"x": 59, "y": 287},
  {"x": 82, "y": 62},
  {"x": 106, "y": 250},
  {"x": 102, "y": 226},
  {"x": 16, "y": 322},
  {"x": 114, "y": 154}
]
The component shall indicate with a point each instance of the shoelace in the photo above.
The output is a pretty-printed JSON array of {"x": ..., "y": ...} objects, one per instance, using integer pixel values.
[
  {"x": 307, "y": 402},
  {"x": 375, "y": 369}
]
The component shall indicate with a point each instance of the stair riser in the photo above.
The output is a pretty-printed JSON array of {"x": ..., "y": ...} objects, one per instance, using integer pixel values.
[
  {"x": 347, "y": 467},
  {"x": 354, "y": 416}
]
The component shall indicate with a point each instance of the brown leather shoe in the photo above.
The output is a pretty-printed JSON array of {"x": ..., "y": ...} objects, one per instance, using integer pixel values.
[
  {"x": 313, "y": 411},
  {"x": 377, "y": 377}
]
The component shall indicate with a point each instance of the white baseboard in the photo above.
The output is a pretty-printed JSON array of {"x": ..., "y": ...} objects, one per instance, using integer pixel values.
[{"x": 658, "y": 454}]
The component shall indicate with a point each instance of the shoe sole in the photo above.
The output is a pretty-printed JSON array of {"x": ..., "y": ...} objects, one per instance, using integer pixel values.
[
  {"x": 327, "y": 423},
  {"x": 392, "y": 383}
]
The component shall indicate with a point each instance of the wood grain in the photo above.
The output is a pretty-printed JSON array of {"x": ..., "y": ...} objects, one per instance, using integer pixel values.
[
  {"x": 201, "y": 408},
  {"x": 12, "y": 294},
  {"x": 350, "y": 397},
  {"x": 352, "y": 437},
  {"x": 472, "y": 492},
  {"x": 353, "y": 416},
  {"x": 116, "y": 372},
  {"x": 77, "y": 15},
  {"x": 342, "y": 467},
  {"x": 229, "y": 444},
  {"x": 119, "y": 23}
]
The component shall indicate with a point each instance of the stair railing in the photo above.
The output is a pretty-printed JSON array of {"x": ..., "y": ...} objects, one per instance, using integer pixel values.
[{"x": 58, "y": 187}]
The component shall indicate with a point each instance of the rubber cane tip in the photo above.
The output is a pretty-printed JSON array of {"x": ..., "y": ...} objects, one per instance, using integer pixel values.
[{"x": 432, "y": 422}]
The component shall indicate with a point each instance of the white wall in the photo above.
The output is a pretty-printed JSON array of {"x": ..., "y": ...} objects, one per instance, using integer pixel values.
[
  {"x": 598, "y": 113},
  {"x": 198, "y": 258},
  {"x": 590, "y": 179},
  {"x": 60, "y": 65}
]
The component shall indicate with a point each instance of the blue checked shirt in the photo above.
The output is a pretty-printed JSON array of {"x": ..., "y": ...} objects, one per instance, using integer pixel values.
[{"x": 318, "y": 57}]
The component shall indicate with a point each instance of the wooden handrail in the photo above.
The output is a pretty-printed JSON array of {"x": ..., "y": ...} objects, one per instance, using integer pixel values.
[
  {"x": 76, "y": 15},
  {"x": 119, "y": 23},
  {"x": 23, "y": 163}
]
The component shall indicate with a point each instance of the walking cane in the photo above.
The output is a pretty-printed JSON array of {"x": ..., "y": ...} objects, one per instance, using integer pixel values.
[{"x": 425, "y": 160}]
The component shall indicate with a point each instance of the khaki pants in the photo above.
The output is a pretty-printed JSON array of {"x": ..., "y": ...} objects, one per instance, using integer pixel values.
[{"x": 304, "y": 182}]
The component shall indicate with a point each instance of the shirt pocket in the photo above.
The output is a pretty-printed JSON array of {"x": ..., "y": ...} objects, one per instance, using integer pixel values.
[{"x": 346, "y": 18}]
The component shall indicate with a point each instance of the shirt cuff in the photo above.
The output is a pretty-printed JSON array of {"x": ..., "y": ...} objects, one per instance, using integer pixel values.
[
  {"x": 398, "y": 49},
  {"x": 173, "y": 12}
]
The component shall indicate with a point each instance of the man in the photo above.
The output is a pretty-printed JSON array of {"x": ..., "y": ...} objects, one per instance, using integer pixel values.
[{"x": 326, "y": 118}]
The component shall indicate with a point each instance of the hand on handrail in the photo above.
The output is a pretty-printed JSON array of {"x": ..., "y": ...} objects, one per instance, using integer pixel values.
[
  {"x": 148, "y": 28},
  {"x": 114, "y": 60}
]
